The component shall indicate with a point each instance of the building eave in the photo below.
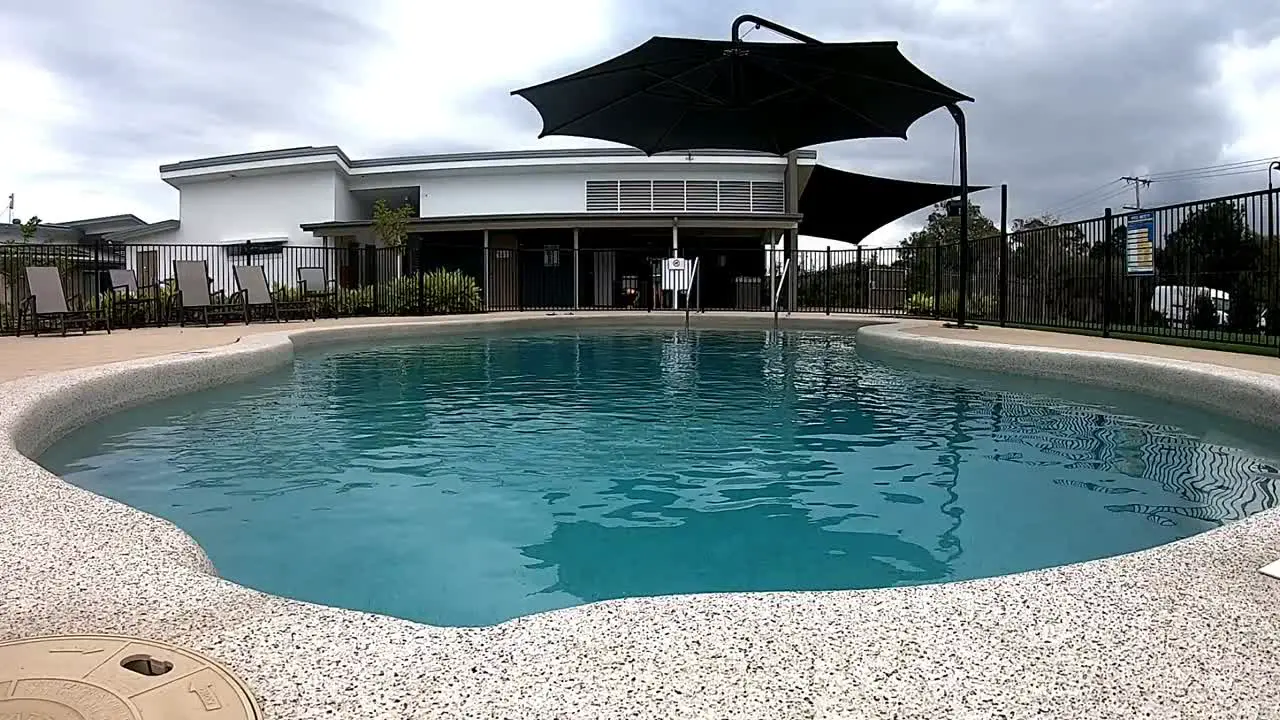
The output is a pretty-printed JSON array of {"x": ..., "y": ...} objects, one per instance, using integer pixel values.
[
  {"x": 302, "y": 158},
  {"x": 531, "y": 221}
]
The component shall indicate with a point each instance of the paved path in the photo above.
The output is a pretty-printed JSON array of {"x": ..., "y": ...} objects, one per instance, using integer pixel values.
[{"x": 26, "y": 356}]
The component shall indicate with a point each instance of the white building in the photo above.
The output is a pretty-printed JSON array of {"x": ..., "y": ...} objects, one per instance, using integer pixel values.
[{"x": 511, "y": 220}]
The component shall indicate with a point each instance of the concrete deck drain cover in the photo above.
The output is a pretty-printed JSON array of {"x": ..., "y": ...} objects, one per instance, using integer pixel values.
[{"x": 100, "y": 677}]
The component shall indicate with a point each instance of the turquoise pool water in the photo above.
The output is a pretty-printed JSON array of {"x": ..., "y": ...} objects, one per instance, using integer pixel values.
[{"x": 476, "y": 479}]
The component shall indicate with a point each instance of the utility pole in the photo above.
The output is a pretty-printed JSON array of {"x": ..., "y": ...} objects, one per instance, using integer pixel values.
[
  {"x": 9, "y": 219},
  {"x": 1138, "y": 183}
]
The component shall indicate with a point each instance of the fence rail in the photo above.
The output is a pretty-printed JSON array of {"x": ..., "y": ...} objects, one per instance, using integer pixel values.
[{"x": 1203, "y": 272}]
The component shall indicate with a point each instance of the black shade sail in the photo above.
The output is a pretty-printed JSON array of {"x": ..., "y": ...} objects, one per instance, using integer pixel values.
[
  {"x": 847, "y": 206},
  {"x": 689, "y": 94}
]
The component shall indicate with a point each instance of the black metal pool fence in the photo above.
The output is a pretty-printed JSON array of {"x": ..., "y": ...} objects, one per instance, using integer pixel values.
[{"x": 1204, "y": 272}]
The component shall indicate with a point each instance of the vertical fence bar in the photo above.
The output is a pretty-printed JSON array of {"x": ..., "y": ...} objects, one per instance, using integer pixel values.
[
  {"x": 827, "y": 277},
  {"x": 1107, "y": 274},
  {"x": 1002, "y": 292},
  {"x": 937, "y": 281}
]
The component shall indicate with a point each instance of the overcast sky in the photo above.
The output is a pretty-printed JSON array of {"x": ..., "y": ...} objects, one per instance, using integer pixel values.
[{"x": 1071, "y": 94}]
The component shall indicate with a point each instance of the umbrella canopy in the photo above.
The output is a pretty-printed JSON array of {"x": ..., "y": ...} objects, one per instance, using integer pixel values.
[
  {"x": 689, "y": 94},
  {"x": 846, "y": 206}
]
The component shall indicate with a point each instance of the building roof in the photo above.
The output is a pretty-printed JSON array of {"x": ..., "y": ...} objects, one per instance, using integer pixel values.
[{"x": 322, "y": 151}]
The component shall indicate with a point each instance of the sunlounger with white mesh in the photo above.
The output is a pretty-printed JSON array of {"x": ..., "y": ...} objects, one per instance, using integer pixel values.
[
  {"x": 130, "y": 299},
  {"x": 318, "y": 289},
  {"x": 195, "y": 298},
  {"x": 252, "y": 281},
  {"x": 48, "y": 302}
]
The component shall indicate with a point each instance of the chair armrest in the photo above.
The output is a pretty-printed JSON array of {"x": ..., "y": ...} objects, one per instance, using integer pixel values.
[
  {"x": 117, "y": 288},
  {"x": 239, "y": 295},
  {"x": 218, "y": 297},
  {"x": 27, "y": 302},
  {"x": 75, "y": 303}
]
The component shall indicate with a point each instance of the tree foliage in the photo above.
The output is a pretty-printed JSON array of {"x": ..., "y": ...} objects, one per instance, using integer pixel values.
[
  {"x": 392, "y": 226},
  {"x": 936, "y": 248}
]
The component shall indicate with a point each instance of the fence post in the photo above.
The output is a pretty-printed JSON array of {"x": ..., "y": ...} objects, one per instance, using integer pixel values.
[
  {"x": 1106, "y": 274},
  {"x": 97, "y": 274},
  {"x": 417, "y": 271},
  {"x": 1003, "y": 291},
  {"x": 937, "y": 281},
  {"x": 827, "y": 283}
]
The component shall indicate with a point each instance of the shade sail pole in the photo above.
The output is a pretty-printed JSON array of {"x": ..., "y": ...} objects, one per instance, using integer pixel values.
[{"x": 962, "y": 301}]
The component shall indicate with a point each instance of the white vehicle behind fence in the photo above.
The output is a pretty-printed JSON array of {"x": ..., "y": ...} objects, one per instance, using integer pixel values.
[{"x": 1178, "y": 304}]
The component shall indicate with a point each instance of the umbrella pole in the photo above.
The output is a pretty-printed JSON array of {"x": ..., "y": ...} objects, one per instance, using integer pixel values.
[
  {"x": 962, "y": 301},
  {"x": 761, "y": 22}
]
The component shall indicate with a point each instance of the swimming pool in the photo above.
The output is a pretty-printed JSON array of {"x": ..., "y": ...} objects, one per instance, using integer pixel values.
[{"x": 474, "y": 479}]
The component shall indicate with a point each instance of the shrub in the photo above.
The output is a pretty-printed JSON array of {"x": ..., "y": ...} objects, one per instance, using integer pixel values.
[
  {"x": 920, "y": 303},
  {"x": 450, "y": 291},
  {"x": 1204, "y": 315},
  {"x": 1243, "y": 315}
]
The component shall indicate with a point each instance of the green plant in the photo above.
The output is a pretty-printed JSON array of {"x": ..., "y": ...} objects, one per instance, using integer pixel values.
[
  {"x": 392, "y": 226},
  {"x": 450, "y": 291},
  {"x": 29, "y": 228},
  {"x": 1204, "y": 315},
  {"x": 920, "y": 303}
]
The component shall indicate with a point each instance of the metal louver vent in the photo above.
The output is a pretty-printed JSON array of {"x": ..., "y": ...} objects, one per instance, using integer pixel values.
[
  {"x": 668, "y": 195},
  {"x": 635, "y": 195},
  {"x": 602, "y": 196},
  {"x": 767, "y": 197},
  {"x": 701, "y": 195},
  {"x": 726, "y": 196},
  {"x": 735, "y": 196}
]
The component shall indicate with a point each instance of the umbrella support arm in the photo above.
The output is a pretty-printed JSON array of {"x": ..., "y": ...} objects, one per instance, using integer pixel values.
[
  {"x": 963, "y": 285},
  {"x": 761, "y": 22}
]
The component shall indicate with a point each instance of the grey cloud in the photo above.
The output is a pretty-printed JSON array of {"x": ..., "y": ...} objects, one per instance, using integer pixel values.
[
  {"x": 1078, "y": 108},
  {"x": 159, "y": 83},
  {"x": 1089, "y": 99}
]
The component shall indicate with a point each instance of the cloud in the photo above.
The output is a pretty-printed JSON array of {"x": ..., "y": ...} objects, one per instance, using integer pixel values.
[
  {"x": 89, "y": 122},
  {"x": 1071, "y": 94}
]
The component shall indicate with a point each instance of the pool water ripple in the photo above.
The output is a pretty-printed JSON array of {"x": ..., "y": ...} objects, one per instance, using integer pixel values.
[{"x": 469, "y": 480}]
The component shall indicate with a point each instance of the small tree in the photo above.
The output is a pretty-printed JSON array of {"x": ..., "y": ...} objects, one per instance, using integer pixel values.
[
  {"x": 1243, "y": 314},
  {"x": 1204, "y": 316},
  {"x": 29, "y": 228},
  {"x": 392, "y": 226}
]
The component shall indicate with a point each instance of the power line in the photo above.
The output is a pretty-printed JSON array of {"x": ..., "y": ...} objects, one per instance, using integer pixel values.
[{"x": 1104, "y": 192}]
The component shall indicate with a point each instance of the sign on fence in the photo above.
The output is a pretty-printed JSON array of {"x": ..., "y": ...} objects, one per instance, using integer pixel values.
[{"x": 1139, "y": 241}]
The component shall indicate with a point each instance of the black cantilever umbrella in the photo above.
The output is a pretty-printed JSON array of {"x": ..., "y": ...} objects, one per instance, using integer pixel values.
[{"x": 686, "y": 94}]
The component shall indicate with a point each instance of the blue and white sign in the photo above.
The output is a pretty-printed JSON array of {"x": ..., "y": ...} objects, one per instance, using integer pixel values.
[{"x": 1139, "y": 244}]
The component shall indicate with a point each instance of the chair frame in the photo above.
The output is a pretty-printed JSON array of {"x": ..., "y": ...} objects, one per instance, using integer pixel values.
[
  {"x": 74, "y": 314},
  {"x": 220, "y": 304},
  {"x": 274, "y": 305}
]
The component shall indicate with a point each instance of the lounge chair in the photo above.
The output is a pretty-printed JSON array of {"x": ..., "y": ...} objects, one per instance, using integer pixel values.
[
  {"x": 317, "y": 288},
  {"x": 252, "y": 281},
  {"x": 194, "y": 297},
  {"x": 129, "y": 297},
  {"x": 47, "y": 301}
]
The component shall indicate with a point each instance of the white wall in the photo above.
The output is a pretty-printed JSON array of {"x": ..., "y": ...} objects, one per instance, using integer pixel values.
[
  {"x": 255, "y": 208},
  {"x": 542, "y": 190},
  {"x": 345, "y": 208},
  {"x": 258, "y": 207}
]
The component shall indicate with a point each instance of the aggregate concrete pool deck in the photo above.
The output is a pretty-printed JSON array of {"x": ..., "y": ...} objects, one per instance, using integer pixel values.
[{"x": 1186, "y": 630}]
